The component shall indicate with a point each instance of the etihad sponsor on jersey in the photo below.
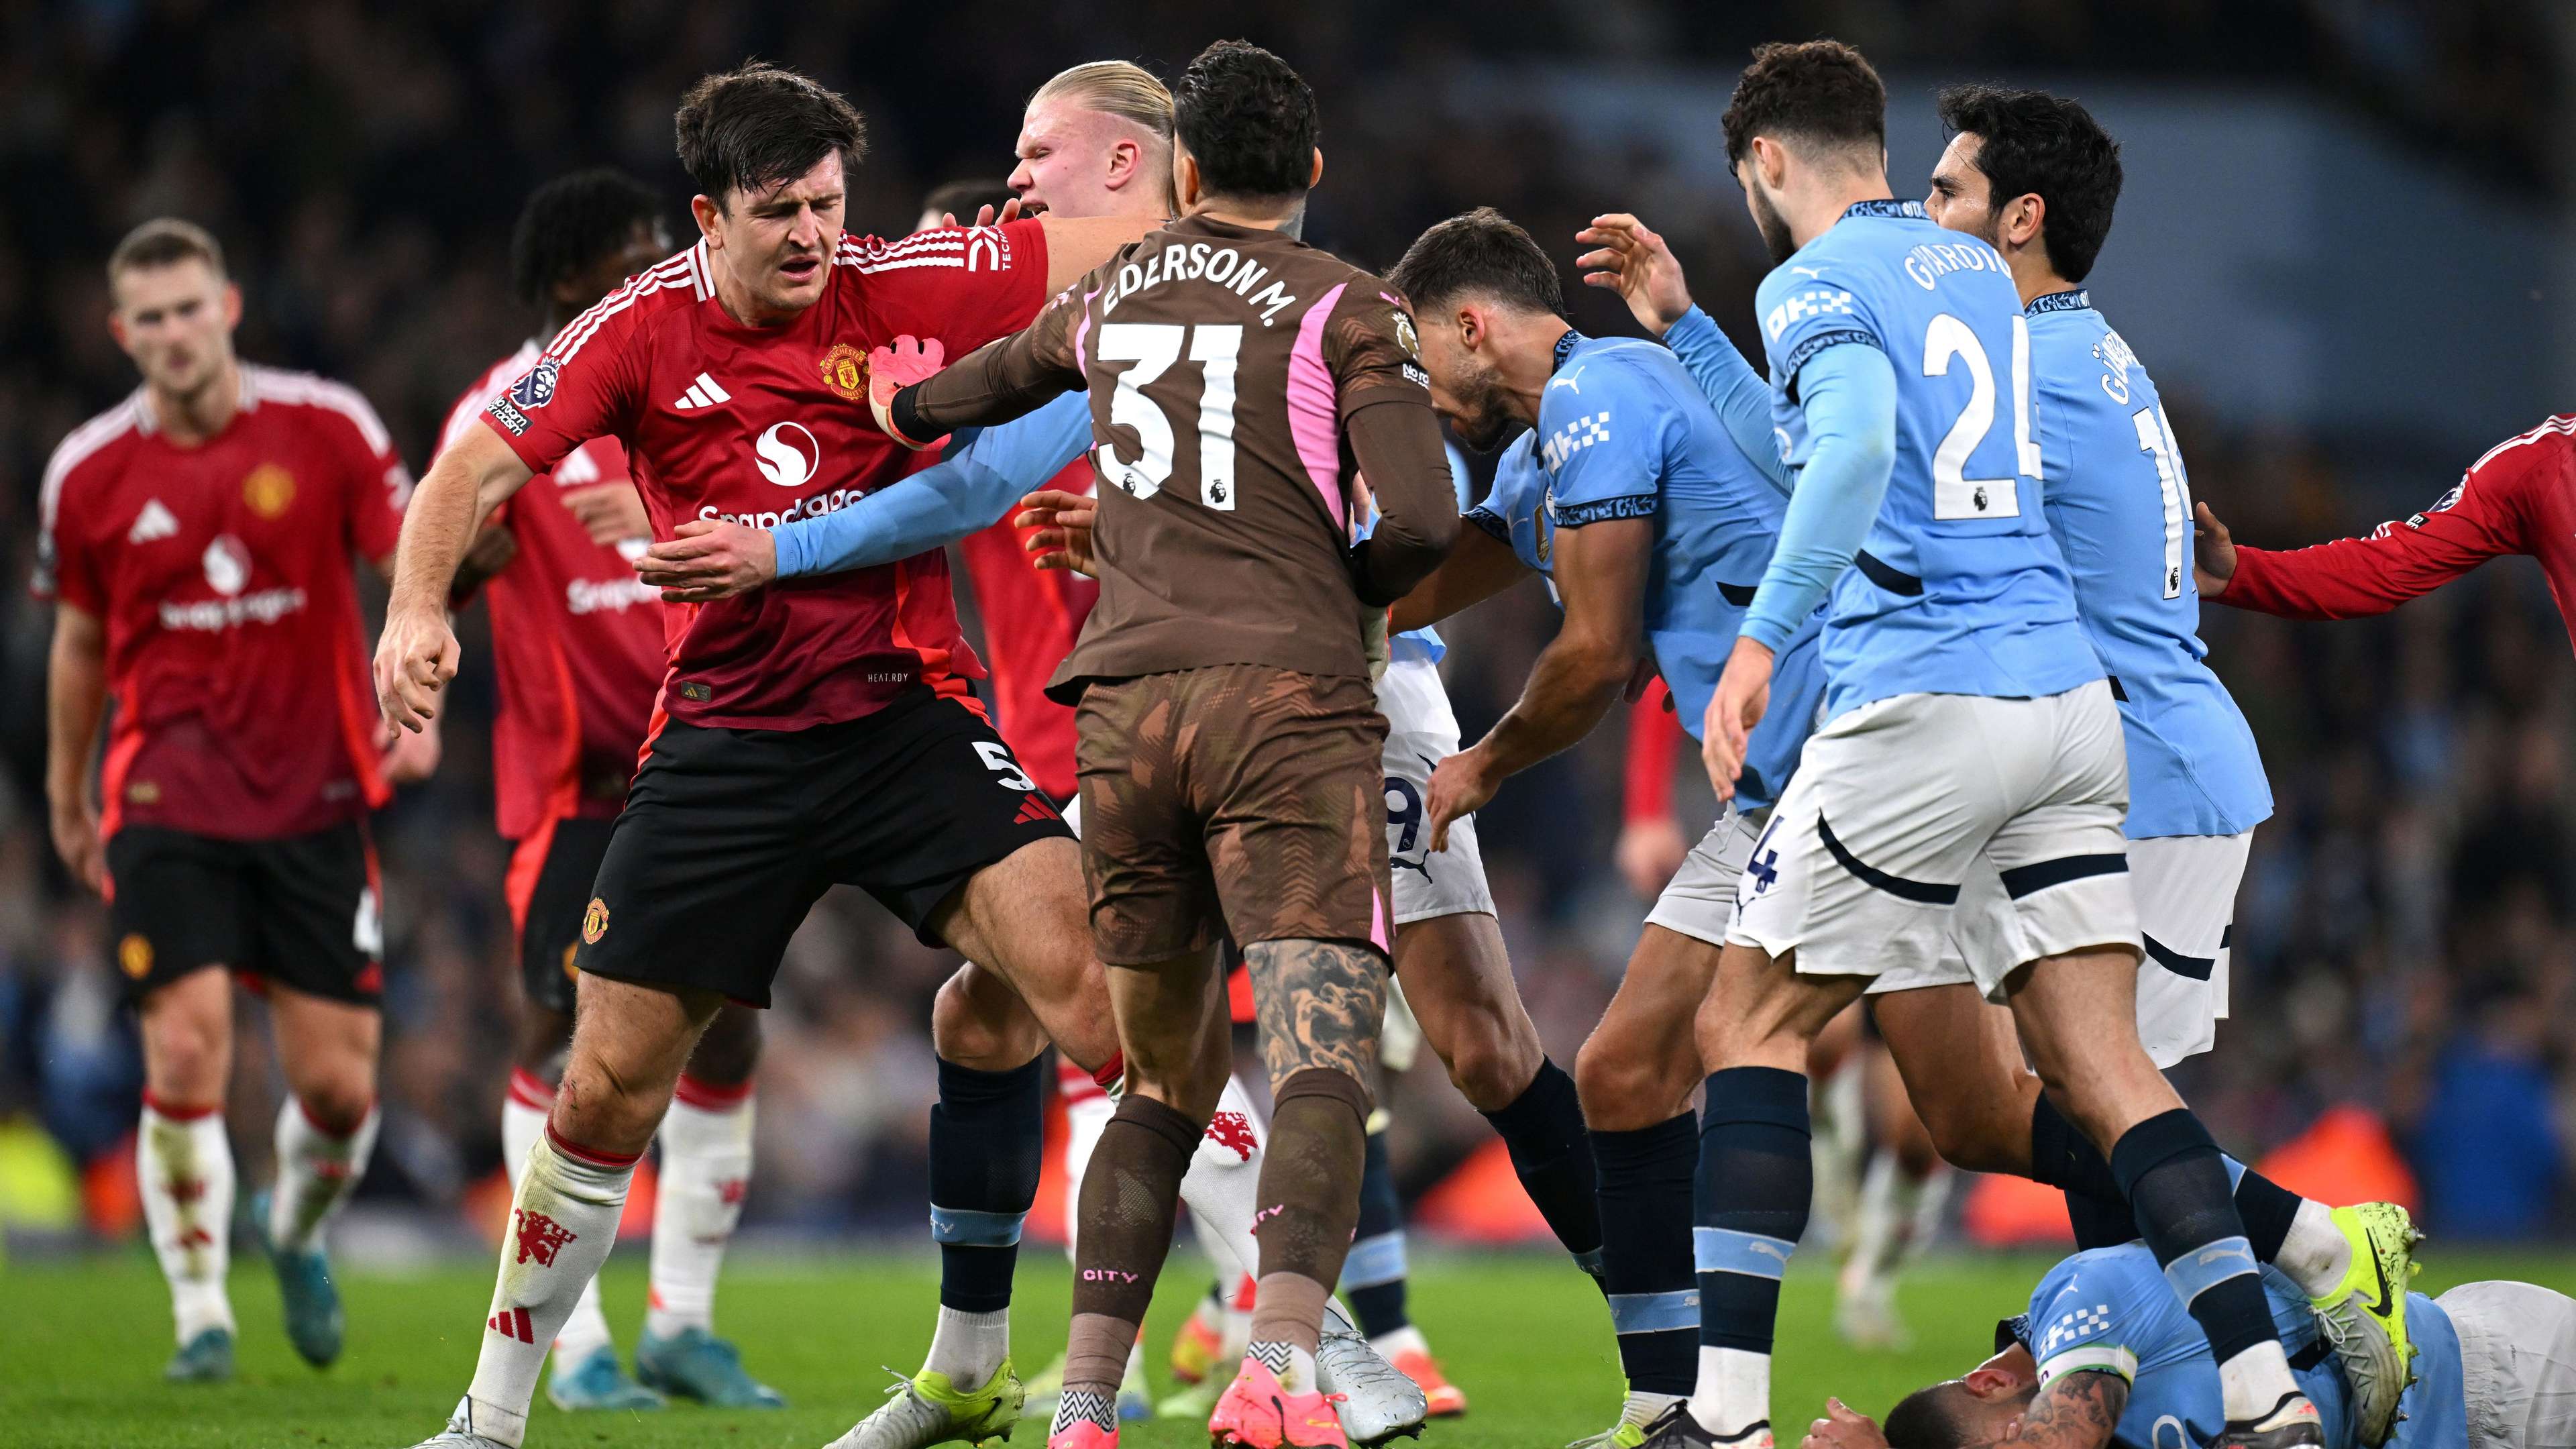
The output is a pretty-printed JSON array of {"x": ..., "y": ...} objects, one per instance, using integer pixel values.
[{"x": 1223, "y": 266}]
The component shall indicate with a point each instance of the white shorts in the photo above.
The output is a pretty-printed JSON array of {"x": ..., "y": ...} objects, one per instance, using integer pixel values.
[
  {"x": 2185, "y": 889},
  {"x": 1700, "y": 901},
  {"x": 2517, "y": 1364},
  {"x": 1895, "y": 803},
  {"x": 1420, "y": 733}
]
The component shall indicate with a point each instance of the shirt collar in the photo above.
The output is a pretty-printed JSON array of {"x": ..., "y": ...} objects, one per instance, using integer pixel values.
[
  {"x": 2074, "y": 299},
  {"x": 147, "y": 423},
  {"x": 1886, "y": 206},
  {"x": 1565, "y": 346}
]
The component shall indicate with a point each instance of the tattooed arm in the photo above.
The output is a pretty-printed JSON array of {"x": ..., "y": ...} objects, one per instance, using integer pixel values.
[
  {"x": 2076, "y": 1410},
  {"x": 1318, "y": 1004}
]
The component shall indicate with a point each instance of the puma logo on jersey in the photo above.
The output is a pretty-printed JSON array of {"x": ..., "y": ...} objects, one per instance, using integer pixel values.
[
  {"x": 153, "y": 522},
  {"x": 703, "y": 393}
]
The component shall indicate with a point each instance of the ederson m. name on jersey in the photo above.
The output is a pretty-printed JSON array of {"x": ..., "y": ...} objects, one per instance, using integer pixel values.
[
  {"x": 1958, "y": 587},
  {"x": 1624, "y": 433},
  {"x": 2119, "y": 502}
]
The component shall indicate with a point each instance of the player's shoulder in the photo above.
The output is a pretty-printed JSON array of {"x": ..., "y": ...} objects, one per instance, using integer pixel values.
[
  {"x": 487, "y": 385},
  {"x": 294, "y": 392},
  {"x": 90, "y": 452},
  {"x": 676, "y": 283},
  {"x": 938, "y": 257},
  {"x": 2546, "y": 453}
]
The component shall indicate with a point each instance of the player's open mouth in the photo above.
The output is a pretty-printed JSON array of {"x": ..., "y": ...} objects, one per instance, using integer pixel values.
[{"x": 799, "y": 268}]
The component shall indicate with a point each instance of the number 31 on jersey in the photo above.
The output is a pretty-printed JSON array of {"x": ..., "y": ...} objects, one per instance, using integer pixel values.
[{"x": 1154, "y": 347}]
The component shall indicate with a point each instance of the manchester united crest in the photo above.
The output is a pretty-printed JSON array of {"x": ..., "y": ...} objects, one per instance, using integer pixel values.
[
  {"x": 269, "y": 490},
  {"x": 594, "y": 922},
  {"x": 845, "y": 371}
]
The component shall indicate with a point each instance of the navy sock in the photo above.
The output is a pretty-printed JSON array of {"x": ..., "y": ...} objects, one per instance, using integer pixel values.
[
  {"x": 2268, "y": 1209},
  {"x": 2063, "y": 1157},
  {"x": 2175, "y": 1181},
  {"x": 1373, "y": 1273},
  {"x": 1756, "y": 1177},
  {"x": 1645, "y": 1191},
  {"x": 1551, "y": 1153},
  {"x": 987, "y": 1137},
  {"x": 2099, "y": 1222}
]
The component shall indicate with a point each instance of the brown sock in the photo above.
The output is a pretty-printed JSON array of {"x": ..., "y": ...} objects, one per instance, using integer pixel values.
[
  {"x": 1130, "y": 1196},
  {"x": 1310, "y": 1202}
]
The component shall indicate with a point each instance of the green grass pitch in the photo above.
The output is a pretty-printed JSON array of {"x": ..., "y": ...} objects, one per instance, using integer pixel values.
[{"x": 82, "y": 1343}]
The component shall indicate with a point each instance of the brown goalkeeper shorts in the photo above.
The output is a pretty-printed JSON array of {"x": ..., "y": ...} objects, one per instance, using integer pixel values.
[{"x": 1236, "y": 800}]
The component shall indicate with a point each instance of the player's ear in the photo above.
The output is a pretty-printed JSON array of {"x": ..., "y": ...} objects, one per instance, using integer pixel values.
[
  {"x": 1317, "y": 179},
  {"x": 707, "y": 214},
  {"x": 2029, "y": 217},
  {"x": 232, "y": 305}
]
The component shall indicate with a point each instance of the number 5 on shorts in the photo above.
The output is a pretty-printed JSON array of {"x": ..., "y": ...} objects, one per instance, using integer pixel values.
[{"x": 997, "y": 758}]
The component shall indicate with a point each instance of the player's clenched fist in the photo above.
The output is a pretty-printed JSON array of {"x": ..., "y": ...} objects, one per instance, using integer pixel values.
[
  {"x": 414, "y": 660},
  {"x": 1743, "y": 695}
]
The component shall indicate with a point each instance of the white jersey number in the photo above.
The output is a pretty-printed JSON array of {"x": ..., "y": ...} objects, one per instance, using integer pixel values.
[
  {"x": 1154, "y": 347},
  {"x": 2156, "y": 440},
  {"x": 1955, "y": 495}
]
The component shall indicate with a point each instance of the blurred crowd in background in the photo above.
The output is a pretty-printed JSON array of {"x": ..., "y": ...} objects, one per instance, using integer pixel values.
[{"x": 2406, "y": 938}]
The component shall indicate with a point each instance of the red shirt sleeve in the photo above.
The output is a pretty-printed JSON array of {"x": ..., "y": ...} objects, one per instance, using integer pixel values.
[
  {"x": 964, "y": 285},
  {"x": 374, "y": 483},
  {"x": 2484, "y": 515},
  {"x": 588, "y": 383},
  {"x": 65, "y": 571},
  {"x": 1654, "y": 735}
]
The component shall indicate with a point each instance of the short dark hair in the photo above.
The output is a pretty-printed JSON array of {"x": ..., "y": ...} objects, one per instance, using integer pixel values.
[
  {"x": 1483, "y": 252},
  {"x": 570, "y": 223},
  {"x": 1249, "y": 119},
  {"x": 1813, "y": 90},
  {"x": 162, "y": 241},
  {"x": 2034, "y": 142},
  {"x": 962, "y": 199},
  {"x": 1928, "y": 1418},
  {"x": 751, "y": 128}
]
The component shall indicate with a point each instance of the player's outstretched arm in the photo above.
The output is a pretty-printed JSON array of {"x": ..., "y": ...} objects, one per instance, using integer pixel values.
[
  {"x": 416, "y": 655},
  {"x": 1600, "y": 574},
  {"x": 1632, "y": 259},
  {"x": 75, "y": 700},
  {"x": 2350, "y": 578},
  {"x": 1478, "y": 567}
]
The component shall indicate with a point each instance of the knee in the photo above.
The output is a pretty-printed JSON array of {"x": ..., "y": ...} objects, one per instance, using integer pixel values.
[
  {"x": 1491, "y": 1063},
  {"x": 1622, "y": 1090},
  {"x": 188, "y": 1058},
  {"x": 1969, "y": 1136},
  {"x": 730, "y": 1051},
  {"x": 976, "y": 1021}
]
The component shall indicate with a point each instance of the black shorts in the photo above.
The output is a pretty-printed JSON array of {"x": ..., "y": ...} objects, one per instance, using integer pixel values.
[
  {"x": 729, "y": 836},
  {"x": 550, "y": 878},
  {"x": 302, "y": 911}
]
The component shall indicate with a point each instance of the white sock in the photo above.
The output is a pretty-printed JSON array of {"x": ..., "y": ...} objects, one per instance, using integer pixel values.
[
  {"x": 1841, "y": 1138},
  {"x": 1645, "y": 1407},
  {"x": 1733, "y": 1390},
  {"x": 1222, "y": 1187},
  {"x": 1294, "y": 1366},
  {"x": 563, "y": 1221},
  {"x": 706, "y": 1163},
  {"x": 1087, "y": 1111},
  {"x": 1407, "y": 1339},
  {"x": 1894, "y": 1209},
  {"x": 969, "y": 1347},
  {"x": 2316, "y": 1254},
  {"x": 523, "y": 1126},
  {"x": 316, "y": 1172},
  {"x": 1238, "y": 1319},
  {"x": 2253, "y": 1381},
  {"x": 186, "y": 1166}
]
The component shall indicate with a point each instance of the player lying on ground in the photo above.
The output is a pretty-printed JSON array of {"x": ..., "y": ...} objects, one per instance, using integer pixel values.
[
  {"x": 1970, "y": 726},
  {"x": 1628, "y": 494},
  {"x": 195, "y": 541},
  {"x": 1229, "y": 739},
  {"x": 2105, "y": 1356},
  {"x": 814, "y": 735},
  {"x": 2035, "y": 176},
  {"x": 577, "y": 644}
]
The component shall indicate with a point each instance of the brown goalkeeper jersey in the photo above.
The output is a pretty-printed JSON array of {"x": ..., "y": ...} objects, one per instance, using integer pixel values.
[{"x": 1242, "y": 383}]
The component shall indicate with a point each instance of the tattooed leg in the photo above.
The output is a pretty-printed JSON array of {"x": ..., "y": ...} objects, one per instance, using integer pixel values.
[{"x": 1319, "y": 1005}]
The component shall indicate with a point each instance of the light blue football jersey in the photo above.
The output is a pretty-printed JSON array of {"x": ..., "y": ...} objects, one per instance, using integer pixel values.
[
  {"x": 1958, "y": 588},
  {"x": 2120, "y": 504},
  {"x": 1624, "y": 433},
  {"x": 1425, "y": 643},
  {"x": 2112, "y": 1309}
]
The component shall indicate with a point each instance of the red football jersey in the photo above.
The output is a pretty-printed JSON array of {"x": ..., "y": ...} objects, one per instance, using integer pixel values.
[
  {"x": 576, "y": 640},
  {"x": 2518, "y": 498},
  {"x": 763, "y": 425},
  {"x": 1031, "y": 619},
  {"x": 243, "y": 707}
]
